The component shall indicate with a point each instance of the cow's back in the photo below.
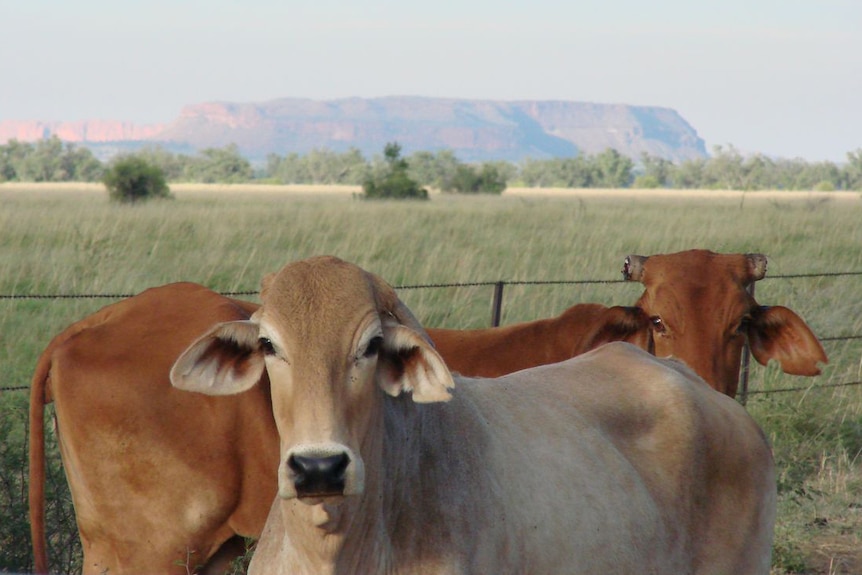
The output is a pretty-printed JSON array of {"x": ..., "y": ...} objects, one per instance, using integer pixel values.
[
  {"x": 704, "y": 462},
  {"x": 142, "y": 457},
  {"x": 563, "y": 488},
  {"x": 671, "y": 465}
]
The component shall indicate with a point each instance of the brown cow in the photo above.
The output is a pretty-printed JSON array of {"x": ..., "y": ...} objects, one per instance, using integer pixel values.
[
  {"x": 612, "y": 462},
  {"x": 160, "y": 479},
  {"x": 701, "y": 313},
  {"x": 139, "y": 459},
  {"x": 496, "y": 351}
]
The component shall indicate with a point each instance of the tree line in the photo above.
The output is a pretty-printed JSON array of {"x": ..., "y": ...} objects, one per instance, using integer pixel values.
[{"x": 51, "y": 160}]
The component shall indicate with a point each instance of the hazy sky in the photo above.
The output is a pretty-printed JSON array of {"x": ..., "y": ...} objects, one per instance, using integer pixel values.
[{"x": 782, "y": 77}]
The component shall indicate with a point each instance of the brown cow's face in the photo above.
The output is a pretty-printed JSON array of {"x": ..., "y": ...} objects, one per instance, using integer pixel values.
[{"x": 702, "y": 313}]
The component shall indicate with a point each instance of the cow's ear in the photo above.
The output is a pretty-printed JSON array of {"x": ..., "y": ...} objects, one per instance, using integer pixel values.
[
  {"x": 778, "y": 333},
  {"x": 226, "y": 360},
  {"x": 621, "y": 323},
  {"x": 408, "y": 362}
]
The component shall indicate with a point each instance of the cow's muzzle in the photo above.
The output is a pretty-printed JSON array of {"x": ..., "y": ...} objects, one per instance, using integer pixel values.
[{"x": 318, "y": 476}]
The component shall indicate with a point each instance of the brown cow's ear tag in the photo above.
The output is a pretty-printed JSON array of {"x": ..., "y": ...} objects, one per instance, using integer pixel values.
[
  {"x": 633, "y": 268},
  {"x": 757, "y": 264}
]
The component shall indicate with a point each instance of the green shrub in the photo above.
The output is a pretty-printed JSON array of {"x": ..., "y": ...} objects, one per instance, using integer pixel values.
[
  {"x": 396, "y": 185},
  {"x": 132, "y": 179},
  {"x": 393, "y": 181},
  {"x": 646, "y": 182},
  {"x": 487, "y": 179}
]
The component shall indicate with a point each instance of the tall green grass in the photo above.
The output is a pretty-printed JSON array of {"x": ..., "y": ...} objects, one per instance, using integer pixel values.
[{"x": 75, "y": 242}]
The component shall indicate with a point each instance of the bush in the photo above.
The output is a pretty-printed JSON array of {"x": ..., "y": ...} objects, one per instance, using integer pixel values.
[
  {"x": 397, "y": 186},
  {"x": 393, "y": 181},
  {"x": 646, "y": 182},
  {"x": 486, "y": 180},
  {"x": 223, "y": 165},
  {"x": 131, "y": 179}
]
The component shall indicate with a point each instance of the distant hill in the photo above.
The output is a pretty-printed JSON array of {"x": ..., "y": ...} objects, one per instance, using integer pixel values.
[{"x": 472, "y": 129}]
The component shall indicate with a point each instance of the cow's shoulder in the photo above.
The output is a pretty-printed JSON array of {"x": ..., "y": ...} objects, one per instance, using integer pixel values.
[
  {"x": 628, "y": 391},
  {"x": 661, "y": 416},
  {"x": 136, "y": 337}
]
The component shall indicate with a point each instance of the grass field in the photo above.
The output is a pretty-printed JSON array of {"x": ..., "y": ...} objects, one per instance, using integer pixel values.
[{"x": 71, "y": 240}]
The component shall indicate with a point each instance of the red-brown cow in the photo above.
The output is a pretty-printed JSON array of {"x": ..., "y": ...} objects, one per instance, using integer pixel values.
[
  {"x": 496, "y": 351},
  {"x": 153, "y": 490},
  {"x": 702, "y": 314}
]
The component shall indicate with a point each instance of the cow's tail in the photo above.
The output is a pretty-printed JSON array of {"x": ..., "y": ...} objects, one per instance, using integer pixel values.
[
  {"x": 40, "y": 395},
  {"x": 38, "y": 399}
]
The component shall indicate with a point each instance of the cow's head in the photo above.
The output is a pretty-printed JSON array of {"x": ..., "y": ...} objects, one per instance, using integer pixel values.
[
  {"x": 333, "y": 340},
  {"x": 701, "y": 313}
]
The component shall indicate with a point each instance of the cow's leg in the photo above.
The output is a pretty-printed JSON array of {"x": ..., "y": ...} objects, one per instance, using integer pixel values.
[{"x": 223, "y": 560}]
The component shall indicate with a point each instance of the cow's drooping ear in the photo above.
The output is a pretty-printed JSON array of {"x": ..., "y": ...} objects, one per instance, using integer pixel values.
[
  {"x": 409, "y": 363},
  {"x": 621, "y": 323},
  {"x": 408, "y": 360},
  {"x": 633, "y": 267},
  {"x": 225, "y": 360},
  {"x": 778, "y": 333},
  {"x": 756, "y": 267}
]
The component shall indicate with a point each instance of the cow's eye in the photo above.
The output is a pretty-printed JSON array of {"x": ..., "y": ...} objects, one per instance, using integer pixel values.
[
  {"x": 373, "y": 347},
  {"x": 743, "y": 326},
  {"x": 657, "y": 324},
  {"x": 266, "y": 346}
]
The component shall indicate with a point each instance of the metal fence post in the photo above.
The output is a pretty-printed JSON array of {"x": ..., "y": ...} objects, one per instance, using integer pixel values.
[
  {"x": 746, "y": 361},
  {"x": 497, "y": 304}
]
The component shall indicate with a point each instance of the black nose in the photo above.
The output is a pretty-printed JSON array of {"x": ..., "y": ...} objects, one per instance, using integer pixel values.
[{"x": 318, "y": 476}]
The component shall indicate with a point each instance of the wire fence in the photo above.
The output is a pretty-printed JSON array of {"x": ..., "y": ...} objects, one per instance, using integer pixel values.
[{"x": 496, "y": 311}]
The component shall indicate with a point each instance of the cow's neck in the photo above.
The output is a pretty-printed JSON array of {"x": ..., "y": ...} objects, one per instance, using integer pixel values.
[
  {"x": 428, "y": 483},
  {"x": 402, "y": 516},
  {"x": 345, "y": 536},
  {"x": 308, "y": 549}
]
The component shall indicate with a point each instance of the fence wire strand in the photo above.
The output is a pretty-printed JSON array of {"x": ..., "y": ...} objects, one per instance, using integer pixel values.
[
  {"x": 425, "y": 286},
  {"x": 487, "y": 284},
  {"x": 804, "y": 388}
]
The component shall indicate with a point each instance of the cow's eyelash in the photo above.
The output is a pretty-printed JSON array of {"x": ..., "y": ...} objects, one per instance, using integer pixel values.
[
  {"x": 266, "y": 346},
  {"x": 373, "y": 347}
]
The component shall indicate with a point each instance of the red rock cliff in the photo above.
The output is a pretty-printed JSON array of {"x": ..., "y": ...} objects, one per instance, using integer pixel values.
[{"x": 78, "y": 132}]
